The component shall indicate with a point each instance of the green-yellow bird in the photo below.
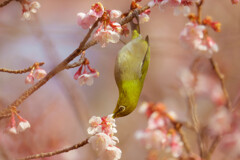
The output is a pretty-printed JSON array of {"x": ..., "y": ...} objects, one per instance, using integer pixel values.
[{"x": 130, "y": 71}]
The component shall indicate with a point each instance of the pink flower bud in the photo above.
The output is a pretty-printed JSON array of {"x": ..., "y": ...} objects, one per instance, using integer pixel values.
[
  {"x": 34, "y": 6},
  {"x": 115, "y": 13},
  {"x": 12, "y": 130},
  {"x": 97, "y": 9},
  {"x": 23, "y": 125},
  {"x": 40, "y": 73},
  {"x": 29, "y": 79},
  {"x": 85, "y": 20}
]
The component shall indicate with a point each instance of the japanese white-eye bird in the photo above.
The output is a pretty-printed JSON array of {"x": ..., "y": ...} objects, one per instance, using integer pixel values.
[{"x": 130, "y": 71}]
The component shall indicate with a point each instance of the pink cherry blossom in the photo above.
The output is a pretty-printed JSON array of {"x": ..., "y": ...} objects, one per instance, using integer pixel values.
[
  {"x": 115, "y": 13},
  {"x": 111, "y": 153},
  {"x": 29, "y": 79},
  {"x": 143, "y": 18},
  {"x": 143, "y": 107},
  {"x": 26, "y": 15},
  {"x": 12, "y": 126},
  {"x": 87, "y": 78},
  {"x": 13, "y": 130},
  {"x": 97, "y": 10},
  {"x": 108, "y": 125},
  {"x": 211, "y": 45},
  {"x": 175, "y": 145},
  {"x": 28, "y": 8},
  {"x": 39, "y": 73},
  {"x": 103, "y": 140},
  {"x": 95, "y": 125},
  {"x": 156, "y": 121},
  {"x": 23, "y": 125},
  {"x": 100, "y": 142},
  {"x": 106, "y": 35},
  {"x": 192, "y": 36},
  {"x": 116, "y": 27},
  {"x": 34, "y": 6},
  {"x": 85, "y": 20}
]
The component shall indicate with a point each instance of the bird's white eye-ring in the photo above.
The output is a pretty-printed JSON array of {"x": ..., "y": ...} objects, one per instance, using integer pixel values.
[{"x": 122, "y": 108}]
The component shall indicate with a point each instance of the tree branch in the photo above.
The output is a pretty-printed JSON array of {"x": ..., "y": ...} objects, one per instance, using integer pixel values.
[
  {"x": 53, "y": 153},
  {"x": 22, "y": 70},
  {"x": 5, "y": 3}
]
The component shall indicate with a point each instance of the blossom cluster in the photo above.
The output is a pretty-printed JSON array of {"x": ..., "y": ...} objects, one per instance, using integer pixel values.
[
  {"x": 108, "y": 31},
  {"x": 22, "y": 125},
  {"x": 160, "y": 133},
  {"x": 103, "y": 140},
  {"x": 85, "y": 74},
  {"x": 29, "y": 7},
  {"x": 180, "y": 6},
  {"x": 194, "y": 36},
  {"x": 35, "y": 73}
]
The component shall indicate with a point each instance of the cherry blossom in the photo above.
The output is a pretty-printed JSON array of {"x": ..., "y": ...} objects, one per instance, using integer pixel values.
[
  {"x": 115, "y": 13},
  {"x": 86, "y": 20},
  {"x": 87, "y": 78},
  {"x": 111, "y": 153},
  {"x": 12, "y": 126},
  {"x": 29, "y": 79},
  {"x": 193, "y": 37},
  {"x": 159, "y": 134},
  {"x": 39, "y": 73},
  {"x": 175, "y": 145},
  {"x": 97, "y": 10},
  {"x": 12, "y": 130},
  {"x": 103, "y": 140},
  {"x": 95, "y": 125},
  {"x": 88, "y": 74},
  {"x": 107, "y": 35},
  {"x": 22, "y": 125},
  {"x": 28, "y": 8},
  {"x": 100, "y": 142}
]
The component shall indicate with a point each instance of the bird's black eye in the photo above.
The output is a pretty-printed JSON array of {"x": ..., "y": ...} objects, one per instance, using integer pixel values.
[{"x": 122, "y": 108}]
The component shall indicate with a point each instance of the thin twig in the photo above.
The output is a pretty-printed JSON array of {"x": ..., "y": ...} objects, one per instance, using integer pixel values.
[
  {"x": 5, "y": 3},
  {"x": 49, "y": 154},
  {"x": 21, "y": 70},
  {"x": 199, "y": 11},
  {"x": 178, "y": 128},
  {"x": 213, "y": 146},
  {"x": 222, "y": 81},
  {"x": 82, "y": 47},
  {"x": 228, "y": 103}
]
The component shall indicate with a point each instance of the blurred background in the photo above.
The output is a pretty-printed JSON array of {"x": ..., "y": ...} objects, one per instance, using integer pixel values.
[{"x": 59, "y": 111}]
